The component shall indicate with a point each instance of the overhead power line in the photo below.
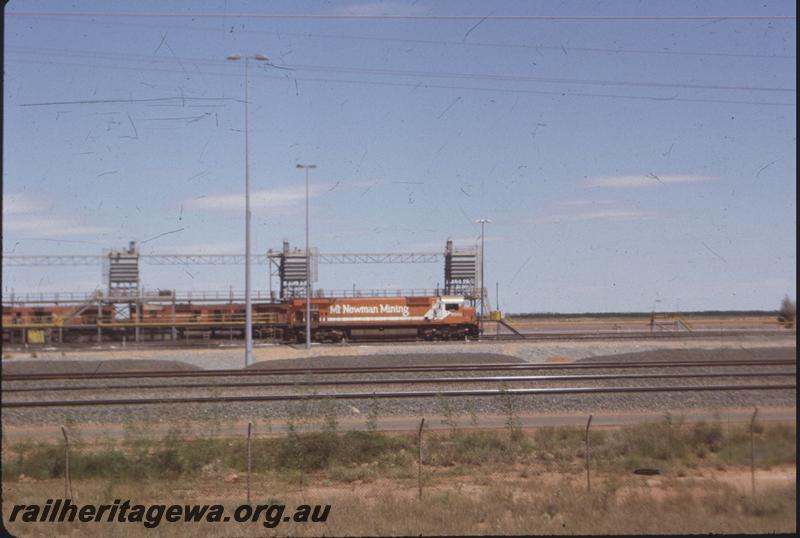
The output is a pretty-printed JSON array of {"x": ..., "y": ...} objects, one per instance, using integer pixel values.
[
  {"x": 539, "y": 92},
  {"x": 565, "y": 18},
  {"x": 527, "y": 46},
  {"x": 403, "y": 73},
  {"x": 558, "y": 48},
  {"x": 130, "y": 100},
  {"x": 422, "y": 85},
  {"x": 517, "y": 78}
]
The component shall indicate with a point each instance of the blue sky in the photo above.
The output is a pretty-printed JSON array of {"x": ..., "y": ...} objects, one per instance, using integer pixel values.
[{"x": 625, "y": 164}]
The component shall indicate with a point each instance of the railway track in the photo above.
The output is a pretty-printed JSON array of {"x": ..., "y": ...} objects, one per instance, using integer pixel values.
[
  {"x": 311, "y": 377},
  {"x": 393, "y": 381},
  {"x": 390, "y": 395},
  {"x": 515, "y": 366}
]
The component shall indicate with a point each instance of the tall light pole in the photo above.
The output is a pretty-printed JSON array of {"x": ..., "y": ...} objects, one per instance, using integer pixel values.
[
  {"x": 248, "y": 330},
  {"x": 482, "y": 222},
  {"x": 307, "y": 167}
]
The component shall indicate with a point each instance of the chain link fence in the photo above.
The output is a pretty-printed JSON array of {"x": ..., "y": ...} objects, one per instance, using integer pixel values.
[{"x": 308, "y": 455}]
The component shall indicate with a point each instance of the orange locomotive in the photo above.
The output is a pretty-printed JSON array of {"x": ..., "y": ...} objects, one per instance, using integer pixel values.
[{"x": 429, "y": 318}]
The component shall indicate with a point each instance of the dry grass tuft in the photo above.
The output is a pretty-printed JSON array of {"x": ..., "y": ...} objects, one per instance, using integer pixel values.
[{"x": 380, "y": 508}]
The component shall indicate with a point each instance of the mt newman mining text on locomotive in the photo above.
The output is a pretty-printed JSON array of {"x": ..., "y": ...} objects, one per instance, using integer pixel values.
[{"x": 380, "y": 309}]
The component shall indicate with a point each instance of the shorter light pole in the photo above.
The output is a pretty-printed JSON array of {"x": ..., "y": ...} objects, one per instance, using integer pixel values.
[
  {"x": 497, "y": 305},
  {"x": 308, "y": 263},
  {"x": 482, "y": 222}
]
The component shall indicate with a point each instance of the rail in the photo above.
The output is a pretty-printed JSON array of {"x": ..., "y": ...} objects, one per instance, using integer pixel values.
[
  {"x": 396, "y": 381},
  {"x": 223, "y": 259},
  {"x": 400, "y": 292},
  {"x": 391, "y": 395},
  {"x": 180, "y": 320},
  {"x": 203, "y": 296},
  {"x": 67, "y": 297},
  {"x": 148, "y": 296}
]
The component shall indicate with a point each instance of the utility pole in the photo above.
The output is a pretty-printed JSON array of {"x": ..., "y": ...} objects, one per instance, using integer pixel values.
[
  {"x": 248, "y": 330},
  {"x": 497, "y": 304},
  {"x": 308, "y": 264},
  {"x": 482, "y": 222}
]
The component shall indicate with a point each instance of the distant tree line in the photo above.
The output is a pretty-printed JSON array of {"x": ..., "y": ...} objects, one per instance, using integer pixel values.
[
  {"x": 788, "y": 312},
  {"x": 723, "y": 313}
]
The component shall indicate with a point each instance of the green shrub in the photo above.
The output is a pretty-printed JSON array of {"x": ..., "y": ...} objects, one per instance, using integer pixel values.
[
  {"x": 363, "y": 473},
  {"x": 707, "y": 437},
  {"x": 474, "y": 448},
  {"x": 619, "y": 449}
]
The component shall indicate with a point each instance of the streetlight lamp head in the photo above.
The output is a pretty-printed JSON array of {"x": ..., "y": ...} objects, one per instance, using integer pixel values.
[
  {"x": 261, "y": 58},
  {"x": 234, "y": 57},
  {"x": 300, "y": 166}
]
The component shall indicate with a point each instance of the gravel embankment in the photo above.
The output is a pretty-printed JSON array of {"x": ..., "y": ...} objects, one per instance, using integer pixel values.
[
  {"x": 49, "y": 366},
  {"x": 414, "y": 358},
  {"x": 660, "y": 401},
  {"x": 754, "y": 353},
  {"x": 280, "y": 411}
]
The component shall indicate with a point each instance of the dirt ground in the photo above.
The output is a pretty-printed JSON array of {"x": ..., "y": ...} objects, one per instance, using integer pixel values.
[
  {"x": 516, "y": 500},
  {"x": 409, "y": 355},
  {"x": 642, "y": 323},
  {"x": 529, "y": 351}
]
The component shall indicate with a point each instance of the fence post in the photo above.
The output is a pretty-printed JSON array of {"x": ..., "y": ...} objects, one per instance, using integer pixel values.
[
  {"x": 588, "y": 480},
  {"x": 753, "y": 454},
  {"x": 249, "y": 458},
  {"x": 99, "y": 320},
  {"x": 67, "y": 481},
  {"x": 668, "y": 418},
  {"x": 419, "y": 456}
]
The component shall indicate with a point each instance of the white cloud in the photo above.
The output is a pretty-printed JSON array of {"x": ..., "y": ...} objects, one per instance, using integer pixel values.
[
  {"x": 26, "y": 217},
  {"x": 373, "y": 9},
  {"x": 45, "y": 227},
  {"x": 647, "y": 180},
  {"x": 264, "y": 199},
  {"x": 592, "y": 210},
  {"x": 584, "y": 203},
  {"x": 19, "y": 203},
  {"x": 601, "y": 215}
]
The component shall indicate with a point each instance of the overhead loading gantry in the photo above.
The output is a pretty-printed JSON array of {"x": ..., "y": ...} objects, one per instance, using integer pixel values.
[
  {"x": 124, "y": 303},
  {"x": 287, "y": 266}
]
